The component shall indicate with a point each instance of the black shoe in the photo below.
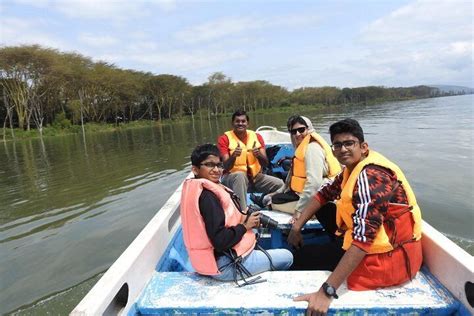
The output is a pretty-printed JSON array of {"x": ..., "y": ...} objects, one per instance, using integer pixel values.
[{"x": 257, "y": 199}]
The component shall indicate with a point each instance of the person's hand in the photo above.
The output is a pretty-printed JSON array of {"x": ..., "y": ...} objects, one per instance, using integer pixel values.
[
  {"x": 255, "y": 150},
  {"x": 295, "y": 216},
  {"x": 238, "y": 151},
  {"x": 251, "y": 221},
  {"x": 294, "y": 238},
  {"x": 267, "y": 199},
  {"x": 318, "y": 302}
]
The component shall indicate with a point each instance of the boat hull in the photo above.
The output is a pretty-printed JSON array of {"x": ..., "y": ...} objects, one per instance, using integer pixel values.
[{"x": 119, "y": 288}]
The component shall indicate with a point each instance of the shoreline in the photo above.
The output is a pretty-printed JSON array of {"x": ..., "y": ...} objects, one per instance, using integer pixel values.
[{"x": 92, "y": 128}]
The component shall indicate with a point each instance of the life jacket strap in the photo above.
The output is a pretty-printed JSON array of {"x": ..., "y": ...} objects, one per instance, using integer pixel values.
[
  {"x": 272, "y": 267},
  {"x": 390, "y": 223},
  {"x": 240, "y": 269}
]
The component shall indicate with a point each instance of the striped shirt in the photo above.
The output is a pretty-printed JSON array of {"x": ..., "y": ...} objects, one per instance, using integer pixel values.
[{"x": 372, "y": 194}]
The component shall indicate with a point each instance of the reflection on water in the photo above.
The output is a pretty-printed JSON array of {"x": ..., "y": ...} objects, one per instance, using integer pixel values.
[{"x": 68, "y": 208}]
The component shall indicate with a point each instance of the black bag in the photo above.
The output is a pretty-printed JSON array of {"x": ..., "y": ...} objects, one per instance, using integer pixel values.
[{"x": 282, "y": 198}]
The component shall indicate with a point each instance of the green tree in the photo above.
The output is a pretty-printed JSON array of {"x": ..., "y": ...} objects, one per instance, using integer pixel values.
[
  {"x": 220, "y": 88},
  {"x": 166, "y": 92}
]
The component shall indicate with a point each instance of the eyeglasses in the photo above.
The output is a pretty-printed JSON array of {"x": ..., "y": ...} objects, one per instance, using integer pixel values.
[
  {"x": 297, "y": 130},
  {"x": 348, "y": 144},
  {"x": 212, "y": 165}
]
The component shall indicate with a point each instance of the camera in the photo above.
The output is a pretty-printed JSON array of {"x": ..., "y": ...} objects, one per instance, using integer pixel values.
[{"x": 265, "y": 221}]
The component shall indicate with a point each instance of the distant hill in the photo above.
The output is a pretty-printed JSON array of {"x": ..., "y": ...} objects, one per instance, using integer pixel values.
[{"x": 452, "y": 89}]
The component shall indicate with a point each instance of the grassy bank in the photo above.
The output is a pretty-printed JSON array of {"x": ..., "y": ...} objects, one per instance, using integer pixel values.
[
  {"x": 62, "y": 129},
  {"x": 52, "y": 131},
  {"x": 63, "y": 126}
]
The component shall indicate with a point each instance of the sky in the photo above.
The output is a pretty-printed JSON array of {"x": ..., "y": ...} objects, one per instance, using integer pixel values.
[{"x": 288, "y": 43}]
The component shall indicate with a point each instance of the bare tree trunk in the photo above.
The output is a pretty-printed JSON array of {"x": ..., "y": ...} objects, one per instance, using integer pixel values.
[
  {"x": 199, "y": 107},
  {"x": 5, "y": 128},
  {"x": 11, "y": 121},
  {"x": 28, "y": 120},
  {"x": 191, "y": 109},
  {"x": 82, "y": 121},
  {"x": 81, "y": 99},
  {"x": 209, "y": 107},
  {"x": 19, "y": 97},
  {"x": 150, "y": 109},
  {"x": 216, "y": 108},
  {"x": 37, "y": 112},
  {"x": 9, "y": 116},
  {"x": 170, "y": 106},
  {"x": 159, "y": 111}
]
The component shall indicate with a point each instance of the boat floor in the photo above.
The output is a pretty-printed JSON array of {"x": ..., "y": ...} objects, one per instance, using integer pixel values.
[{"x": 203, "y": 295}]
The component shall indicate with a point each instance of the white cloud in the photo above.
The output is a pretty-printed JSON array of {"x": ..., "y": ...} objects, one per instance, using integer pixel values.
[
  {"x": 15, "y": 31},
  {"x": 165, "y": 5},
  {"x": 461, "y": 48},
  {"x": 98, "y": 41},
  {"x": 229, "y": 26},
  {"x": 422, "y": 21},
  {"x": 115, "y": 10},
  {"x": 217, "y": 29},
  {"x": 184, "y": 60},
  {"x": 420, "y": 43}
]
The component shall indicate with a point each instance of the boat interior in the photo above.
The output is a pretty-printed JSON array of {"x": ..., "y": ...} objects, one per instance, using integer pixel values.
[{"x": 175, "y": 289}]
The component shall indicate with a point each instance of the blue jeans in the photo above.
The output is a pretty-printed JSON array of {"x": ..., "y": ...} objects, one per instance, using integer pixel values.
[{"x": 256, "y": 262}]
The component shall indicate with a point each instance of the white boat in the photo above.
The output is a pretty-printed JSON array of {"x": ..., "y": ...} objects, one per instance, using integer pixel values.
[{"x": 151, "y": 277}]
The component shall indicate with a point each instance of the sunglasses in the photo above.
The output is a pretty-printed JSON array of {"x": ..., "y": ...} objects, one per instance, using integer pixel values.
[{"x": 297, "y": 130}]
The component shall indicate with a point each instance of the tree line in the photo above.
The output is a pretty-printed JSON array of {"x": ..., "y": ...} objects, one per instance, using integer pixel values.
[{"x": 41, "y": 86}]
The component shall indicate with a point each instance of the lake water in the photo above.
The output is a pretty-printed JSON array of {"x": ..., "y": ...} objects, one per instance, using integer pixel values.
[{"x": 69, "y": 208}]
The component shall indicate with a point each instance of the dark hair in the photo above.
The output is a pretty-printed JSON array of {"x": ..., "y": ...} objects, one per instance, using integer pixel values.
[
  {"x": 292, "y": 120},
  {"x": 349, "y": 126},
  {"x": 240, "y": 113},
  {"x": 201, "y": 152}
]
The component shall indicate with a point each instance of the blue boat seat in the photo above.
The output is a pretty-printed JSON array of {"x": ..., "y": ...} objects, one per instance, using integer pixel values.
[
  {"x": 176, "y": 259},
  {"x": 182, "y": 259},
  {"x": 203, "y": 295}
]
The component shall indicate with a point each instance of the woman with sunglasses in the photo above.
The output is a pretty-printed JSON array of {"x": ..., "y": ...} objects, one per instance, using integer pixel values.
[{"x": 312, "y": 166}]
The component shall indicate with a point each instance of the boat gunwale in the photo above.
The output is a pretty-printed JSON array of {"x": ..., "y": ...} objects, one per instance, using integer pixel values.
[{"x": 136, "y": 264}]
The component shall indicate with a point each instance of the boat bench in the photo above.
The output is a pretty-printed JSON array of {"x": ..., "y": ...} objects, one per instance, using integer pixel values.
[
  {"x": 278, "y": 237},
  {"x": 170, "y": 293},
  {"x": 283, "y": 220}
]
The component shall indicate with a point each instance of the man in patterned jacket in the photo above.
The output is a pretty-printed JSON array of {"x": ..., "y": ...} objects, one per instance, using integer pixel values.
[{"x": 375, "y": 231}]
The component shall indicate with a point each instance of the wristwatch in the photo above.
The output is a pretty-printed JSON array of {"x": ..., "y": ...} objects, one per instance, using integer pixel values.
[{"x": 329, "y": 290}]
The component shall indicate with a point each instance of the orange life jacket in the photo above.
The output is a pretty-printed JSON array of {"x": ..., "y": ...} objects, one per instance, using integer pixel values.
[
  {"x": 298, "y": 174},
  {"x": 395, "y": 254},
  {"x": 246, "y": 160},
  {"x": 198, "y": 245}
]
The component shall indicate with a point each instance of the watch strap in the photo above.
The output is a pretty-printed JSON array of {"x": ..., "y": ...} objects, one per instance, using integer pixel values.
[{"x": 329, "y": 290}]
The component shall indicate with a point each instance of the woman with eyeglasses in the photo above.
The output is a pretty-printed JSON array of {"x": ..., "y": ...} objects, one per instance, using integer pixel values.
[
  {"x": 217, "y": 233},
  {"x": 312, "y": 166}
]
